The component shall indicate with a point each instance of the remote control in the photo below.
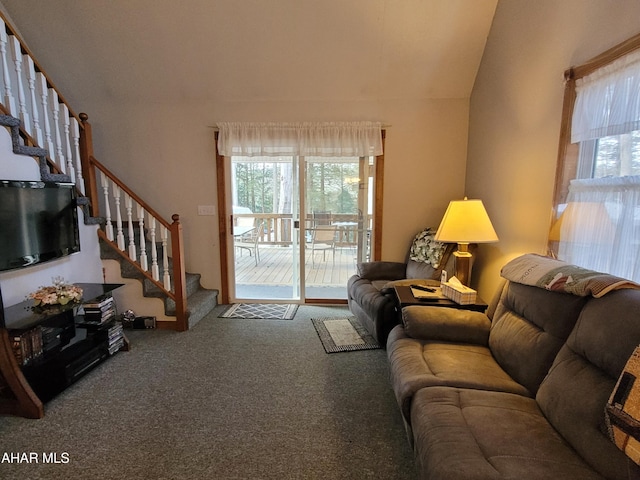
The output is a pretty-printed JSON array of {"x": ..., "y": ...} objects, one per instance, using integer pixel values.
[{"x": 424, "y": 289}]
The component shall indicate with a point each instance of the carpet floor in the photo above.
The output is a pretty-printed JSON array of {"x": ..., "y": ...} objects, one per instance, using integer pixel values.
[{"x": 225, "y": 400}]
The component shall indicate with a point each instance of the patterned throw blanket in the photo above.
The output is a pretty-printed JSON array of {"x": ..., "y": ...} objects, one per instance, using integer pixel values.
[{"x": 546, "y": 272}]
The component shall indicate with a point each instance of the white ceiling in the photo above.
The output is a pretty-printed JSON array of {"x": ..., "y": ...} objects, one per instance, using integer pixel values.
[{"x": 257, "y": 50}]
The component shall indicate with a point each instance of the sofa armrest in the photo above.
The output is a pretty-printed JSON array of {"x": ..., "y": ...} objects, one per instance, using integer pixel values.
[
  {"x": 382, "y": 270},
  {"x": 446, "y": 324}
]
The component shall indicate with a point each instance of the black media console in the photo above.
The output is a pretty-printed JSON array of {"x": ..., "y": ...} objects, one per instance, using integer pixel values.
[{"x": 55, "y": 346}]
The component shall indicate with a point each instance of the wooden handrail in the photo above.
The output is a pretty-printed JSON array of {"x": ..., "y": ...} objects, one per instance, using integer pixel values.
[{"x": 131, "y": 193}]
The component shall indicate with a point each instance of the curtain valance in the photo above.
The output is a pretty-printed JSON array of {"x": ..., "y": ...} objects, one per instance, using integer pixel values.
[
  {"x": 608, "y": 100},
  {"x": 334, "y": 139}
]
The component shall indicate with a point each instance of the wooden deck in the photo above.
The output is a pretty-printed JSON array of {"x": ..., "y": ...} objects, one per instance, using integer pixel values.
[{"x": 275, "y": 268}]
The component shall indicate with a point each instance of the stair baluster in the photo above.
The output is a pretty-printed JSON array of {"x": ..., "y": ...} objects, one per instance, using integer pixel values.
[
  {"x": 76, "y": 146},
  {"x": 31, "y": 82},
  {"x": 55, "y": 110},
  {"x": 143, "y": 242},
  {"x": 44, "y": 100},
  {"x": 155, "y": 273},
  {"x": 132, "y": 239},
  {"x": 9, "y": 101},
  {"x": 16, "y": 53},
  {"x": 166, "y": 279},
  {"x": 66, "y": 124},
  {"x": 119, "y": 231},
  {"x": 108, "y": 227}
]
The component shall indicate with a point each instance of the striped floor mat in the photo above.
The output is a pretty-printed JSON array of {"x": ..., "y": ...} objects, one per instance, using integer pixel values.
[{"x": 268, "y": 311}]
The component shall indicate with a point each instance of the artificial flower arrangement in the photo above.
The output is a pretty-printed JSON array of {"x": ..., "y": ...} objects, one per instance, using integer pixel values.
[
  {"x": 426, "y": 249},
  {"x": 60, "y": 293}
]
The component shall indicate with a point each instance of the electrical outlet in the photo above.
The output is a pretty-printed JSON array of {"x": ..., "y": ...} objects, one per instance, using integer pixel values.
[{"x": 206, "y": 209}]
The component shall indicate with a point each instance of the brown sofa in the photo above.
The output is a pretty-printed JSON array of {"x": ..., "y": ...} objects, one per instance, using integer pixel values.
[{"x": 519, "y": 392}]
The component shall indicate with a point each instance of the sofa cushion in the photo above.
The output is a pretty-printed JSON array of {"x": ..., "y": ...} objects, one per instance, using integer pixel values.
[
  {"x": 446, "y": 324},
  {"x": 529, "y": 326},
  {"x": 416, "y": 364},
  {"x": 574, "y": 393},
  {"x": 474, "y": 434},
  {"x": 419, "y": 270},
  {"x": 382, "y": 270}
]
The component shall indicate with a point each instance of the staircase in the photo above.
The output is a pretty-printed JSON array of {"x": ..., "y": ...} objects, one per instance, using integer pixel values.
[
  {"x": 200, "y": 301},
  {"x": 148, "y": 247}
]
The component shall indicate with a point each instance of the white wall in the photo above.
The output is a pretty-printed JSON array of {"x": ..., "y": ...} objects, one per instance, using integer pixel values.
[
  {"x": 84, "y": 266},
  {"x": 515, "y": 113}
]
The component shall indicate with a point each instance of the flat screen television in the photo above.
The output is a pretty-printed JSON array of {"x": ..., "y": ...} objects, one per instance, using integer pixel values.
[{"x": 38, "y": 222}]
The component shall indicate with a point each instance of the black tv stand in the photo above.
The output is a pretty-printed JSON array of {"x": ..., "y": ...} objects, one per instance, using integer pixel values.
[{"x": 67, "y": 343}]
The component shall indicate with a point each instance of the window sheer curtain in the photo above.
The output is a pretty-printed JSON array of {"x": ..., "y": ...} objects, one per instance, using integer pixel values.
[
  {"x": 334, "y": 139},
  {"x": 600, "y": 226}
]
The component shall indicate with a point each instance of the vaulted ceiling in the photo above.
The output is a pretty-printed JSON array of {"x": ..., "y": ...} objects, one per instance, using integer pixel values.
[{"x": 256, "y": 50}]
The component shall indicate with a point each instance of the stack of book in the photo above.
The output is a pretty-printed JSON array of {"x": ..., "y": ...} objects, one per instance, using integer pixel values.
[
  {"x": 116, "y": 338},
  {"x": 100, "y": 311},
  {"x": 27, "y": 345}
]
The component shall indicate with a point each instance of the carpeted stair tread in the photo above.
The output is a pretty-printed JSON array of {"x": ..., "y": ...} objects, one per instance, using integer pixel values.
[
  {"x": 19, "y": 148},
  {"x": 200, "y": 301},
  {"x": 200, "y": 304}
]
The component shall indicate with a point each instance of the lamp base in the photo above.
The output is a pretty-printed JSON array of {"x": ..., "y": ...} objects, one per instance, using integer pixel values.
[{"x": 462, "y": 263}]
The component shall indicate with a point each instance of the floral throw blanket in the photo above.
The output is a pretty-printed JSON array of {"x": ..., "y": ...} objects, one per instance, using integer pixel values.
[{"x": 546, "y": 272}]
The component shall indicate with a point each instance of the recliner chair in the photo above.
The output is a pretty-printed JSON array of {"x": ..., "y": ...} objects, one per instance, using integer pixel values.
[{"x": 370, "y": 293}]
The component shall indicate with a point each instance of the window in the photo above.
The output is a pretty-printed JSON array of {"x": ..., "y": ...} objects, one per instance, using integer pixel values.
[
  {"x": 612, "y": 156},
  {"x": 596, "y": 221}
]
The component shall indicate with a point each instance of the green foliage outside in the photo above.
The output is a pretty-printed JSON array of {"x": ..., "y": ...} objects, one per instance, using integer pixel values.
[{"x": 266, "y": 187}]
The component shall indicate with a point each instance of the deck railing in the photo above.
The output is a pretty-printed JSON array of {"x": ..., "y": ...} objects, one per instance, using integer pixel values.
[
  {"x": 278, "y": 227},
  {"x": 47, "y": 121}
]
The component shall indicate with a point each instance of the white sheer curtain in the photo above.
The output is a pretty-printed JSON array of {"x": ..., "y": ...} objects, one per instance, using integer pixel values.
[
  {"x": 600, "y": 226},
  {"x": 335, "y": 139},
  {"x": 608, "y": 100}
]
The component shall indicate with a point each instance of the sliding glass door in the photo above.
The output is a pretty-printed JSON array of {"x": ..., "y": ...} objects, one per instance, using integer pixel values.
[
  {"x": 337, "y": 208},
  {"x": 300, "y": 225},
  {"x": 265, "y": 238}
]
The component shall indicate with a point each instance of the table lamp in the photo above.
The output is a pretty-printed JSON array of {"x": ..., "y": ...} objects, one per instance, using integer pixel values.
[
  {"x": 465, "y": 222},
  {"x": 584, "y": 222}
]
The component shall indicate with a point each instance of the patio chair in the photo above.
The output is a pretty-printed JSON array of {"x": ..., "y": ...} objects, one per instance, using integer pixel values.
[
  {"x": 250, "y": 242},
  {"x": 321, "y": 218},
  {"x": 324, "y": 238}
]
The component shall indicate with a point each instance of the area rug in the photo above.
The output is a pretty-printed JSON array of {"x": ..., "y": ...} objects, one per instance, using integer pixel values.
[
  {"x": 267, "y": 311},
  {"x": 343, "y": 335}
]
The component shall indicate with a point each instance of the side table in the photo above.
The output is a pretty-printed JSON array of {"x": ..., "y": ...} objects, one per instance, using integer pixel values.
[{"x": 406, "y": 299}]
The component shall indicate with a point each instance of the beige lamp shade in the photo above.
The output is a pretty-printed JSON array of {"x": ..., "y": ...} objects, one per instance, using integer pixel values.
[{"x": 466, "y": 221}]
